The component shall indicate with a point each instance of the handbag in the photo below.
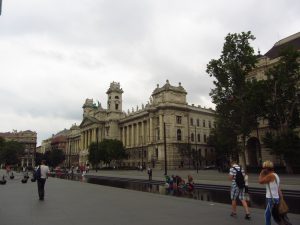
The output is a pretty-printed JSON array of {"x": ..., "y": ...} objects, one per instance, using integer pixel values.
[
  {"x": 279, "y": 210},
  {"x": 282, "y": 206}
]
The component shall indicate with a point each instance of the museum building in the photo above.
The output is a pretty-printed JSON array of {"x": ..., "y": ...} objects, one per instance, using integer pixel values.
[{"x": 166, "y": 130}]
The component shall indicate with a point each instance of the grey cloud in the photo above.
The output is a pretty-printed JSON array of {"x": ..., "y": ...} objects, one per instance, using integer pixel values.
[{"x": 55, "y": 53}]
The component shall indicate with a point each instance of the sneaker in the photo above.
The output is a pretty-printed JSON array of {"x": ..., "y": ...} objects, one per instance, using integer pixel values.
[
  {"x": 247, "y": 217},
  {"x": 233, "y": 214}
]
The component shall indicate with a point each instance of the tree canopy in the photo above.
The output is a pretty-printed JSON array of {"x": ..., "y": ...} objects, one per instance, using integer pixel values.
[
  {"x": 234, "y": 107},
  {"x": 106, "y": 151},
  {"x": 11, "y": 152},
  {"x": 54, "y": 157},
  {"x": 283, "y": 104}
]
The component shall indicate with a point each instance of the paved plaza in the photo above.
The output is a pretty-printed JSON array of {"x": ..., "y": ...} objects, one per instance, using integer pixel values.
[{"x": 73, "y": 203}]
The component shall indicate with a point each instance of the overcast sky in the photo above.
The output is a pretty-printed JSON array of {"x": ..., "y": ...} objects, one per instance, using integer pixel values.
[{"x": 56, "y": 53}]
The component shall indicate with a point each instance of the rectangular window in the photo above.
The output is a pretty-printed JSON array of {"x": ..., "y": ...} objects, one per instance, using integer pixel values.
[
  {"x": 204, "y": 138},
  {"x": 178, "y": 119},
  {"x": 192, "y": 121},
  {"x": 203, "y": 123},
  {"x": 209, "y": 124},
  {"x": 198, "y": 123}
]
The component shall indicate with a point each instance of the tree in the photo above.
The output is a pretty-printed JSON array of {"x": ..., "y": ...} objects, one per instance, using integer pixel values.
[
  {"x": 283, "y": 106},
  {"x": 235, "y": 111},
  {"x": 2, "y": 143},
  {"x": 284, "y": 93},
  {"x": 106, "y": 151},
  {"x": 110, "y": 149},
  {"x": 286, "y": 144},
  {"x": 93, "y": 156},
  {"x": 54, "y": 157},
  {"x": 11, "y": 152},
  {"x": 38, "y": 158}
]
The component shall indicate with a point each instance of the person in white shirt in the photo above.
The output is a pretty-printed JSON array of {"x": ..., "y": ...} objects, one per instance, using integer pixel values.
[
  {"x": 268, "y": 177},
  {"x": 237, "y": 192},
  {"x": 41, "y": 181}
]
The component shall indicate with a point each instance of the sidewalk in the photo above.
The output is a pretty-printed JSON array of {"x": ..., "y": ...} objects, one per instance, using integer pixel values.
[
  {"x": 288, "y": 182},
  {"x": 77, "y": 203}
]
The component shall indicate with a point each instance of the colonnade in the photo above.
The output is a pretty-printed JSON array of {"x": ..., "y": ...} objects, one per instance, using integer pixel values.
[
  {"x": 89, "y": 136},
  {"x": 141, "y": 132},
  {"x": 135, "y": 134},
  {"x": 74, "y": 145}
]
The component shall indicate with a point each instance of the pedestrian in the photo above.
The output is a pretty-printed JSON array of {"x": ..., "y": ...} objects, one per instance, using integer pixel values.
[
  {"x": 268, "y": 177},
  {"x": 236, "y": 175},
  {"x": 149, "y": 171},
  {"x": 42, "y": 180},
  {"x": 7, "y": 170},
  {"x": 247, "y": 197}
]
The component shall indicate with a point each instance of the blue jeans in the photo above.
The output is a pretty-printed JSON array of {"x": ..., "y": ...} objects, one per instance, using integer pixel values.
[{"x": 268, "y": 212}]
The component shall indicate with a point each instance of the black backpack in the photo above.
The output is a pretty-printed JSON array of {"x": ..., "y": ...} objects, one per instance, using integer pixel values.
[
  {"x": 37, "y": 174},
  {"x": 239, "y": 178}
]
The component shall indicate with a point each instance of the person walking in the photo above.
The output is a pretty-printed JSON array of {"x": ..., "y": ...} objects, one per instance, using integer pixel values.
[
  {"x": 236, "y": 175},
  {"x": 149, "y": 173},
  {"x": 42, "y": 180},
  {"x": 268, "y": 177}
]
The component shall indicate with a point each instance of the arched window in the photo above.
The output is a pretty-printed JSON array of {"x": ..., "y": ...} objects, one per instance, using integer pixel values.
[{"x": 178, "y": 135}]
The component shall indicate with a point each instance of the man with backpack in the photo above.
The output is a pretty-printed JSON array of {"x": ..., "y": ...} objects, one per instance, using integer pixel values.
[
  {"x": 41, "y": 177},
  {"x": 236, "y": 175}
]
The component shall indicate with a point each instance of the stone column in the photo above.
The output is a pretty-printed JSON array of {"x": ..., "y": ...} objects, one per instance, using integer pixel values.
[
  {"x": 81, "y": 141},
  {"x": 161, "y": 127},
  {"x": 127, "y": 136},
  {"x": 86, "y": 139},
  {"x": 132, "y": 135},
  {"x": 151, "y": 130},
  {"x": 123, "y": 136},
  {"x": 93, "y": 139},
  {"x": 143, "y": 134},
  {"x": 138, "y": 135}
]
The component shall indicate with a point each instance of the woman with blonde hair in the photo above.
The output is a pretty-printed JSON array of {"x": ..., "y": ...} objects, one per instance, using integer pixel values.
[{"x": 268, "y": 177}]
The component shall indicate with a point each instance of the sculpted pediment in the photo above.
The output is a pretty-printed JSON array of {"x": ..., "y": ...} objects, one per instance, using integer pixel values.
[{"x": 88, "y": 121}]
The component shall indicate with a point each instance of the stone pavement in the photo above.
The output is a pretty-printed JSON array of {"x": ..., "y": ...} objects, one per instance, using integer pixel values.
[{"x": 77, "y": 203}]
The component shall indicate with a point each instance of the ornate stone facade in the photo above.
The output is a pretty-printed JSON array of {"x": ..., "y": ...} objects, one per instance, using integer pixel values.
[
  {"x": 166, "y": 118},
  {"x": 29, "y": 139}
]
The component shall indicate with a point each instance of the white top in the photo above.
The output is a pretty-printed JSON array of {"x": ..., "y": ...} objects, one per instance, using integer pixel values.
[
  {"x": 274, "y": 188},
  {"x": 246, "y": 180},
  {"x": 44, "y": 171}
]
